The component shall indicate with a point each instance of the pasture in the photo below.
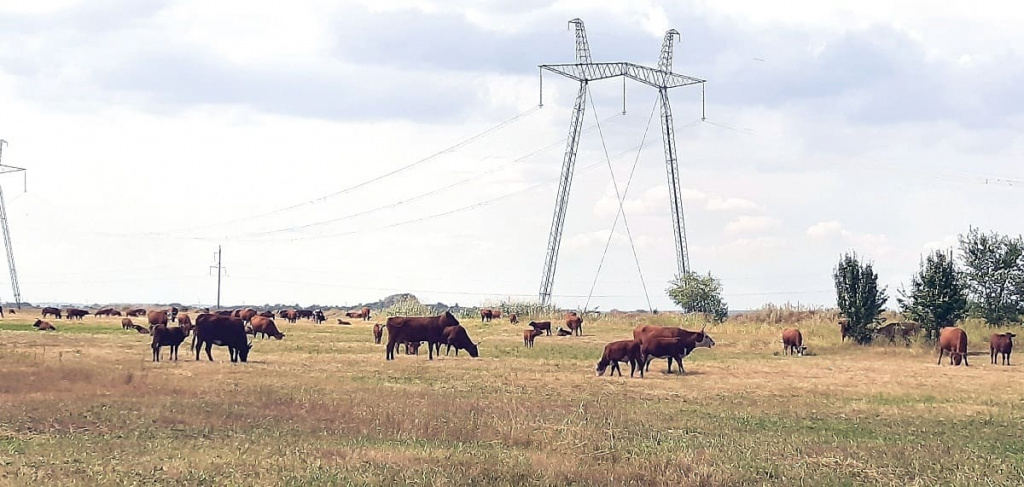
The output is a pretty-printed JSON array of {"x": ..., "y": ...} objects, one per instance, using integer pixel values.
[{"x": 85, "y": 406}]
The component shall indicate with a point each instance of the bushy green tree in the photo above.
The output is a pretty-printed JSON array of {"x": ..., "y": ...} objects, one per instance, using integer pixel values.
[
  {"x": 994, "y": 271},
  {"x": 938, "y": 294},
  {"x": 858, "y": 296},
  {"x": 696, "y": 293}
]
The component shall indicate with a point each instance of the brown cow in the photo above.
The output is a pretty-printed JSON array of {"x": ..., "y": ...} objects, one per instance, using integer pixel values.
[
  {"x": 305, "y": 313},
  {"x": 844, "y": 327},
  {"x": 486, "y": 314},
  {"x": 44, "y": 325},
  {"x": 418, "y": 329},
  {"x": 887, "y": 331},
  {"x": 267, "y": 314},
  {"x": 353, "y": 314},
  {"x": 456, "y": 336},
  {"x": 688, "y": 340},
  {"x": 513, "y": 318},
  {"x": 137, "y": 312},
  {"x": 184, "y": 319},
  {"x": 496, "y": 314},
  {"x": 1001, "y": 343},
  {"x": 954, "y": 341},
  {"x": 343, "y": 322},
  {"x": 366, "y": 313},
  {"x": 378, "y": 333},
  {"x": 622, "y": 350},
  {"x": 574, "y": 323},
  {"x": 541, "y": 326},
  {"x": 165, "y": 336},
  {"x": 792, "y": 342},
  {"x": 104, "y": 312},
  {"x": 126, "y": 323},
  {"x": 225, "y": 312},
  {"x": 75, "y": 313},
  {"x": 246, "y": 315},
  {"x": 529, "y": 335},
  {"x": 51, "y": 311},
  {"x": 290, "y": 315},
  {"x": 157, "y": 317},
  {"x": 265, "y": 326}
]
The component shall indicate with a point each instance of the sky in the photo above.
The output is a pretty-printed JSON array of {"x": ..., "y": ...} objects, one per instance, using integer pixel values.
[{"x": 342, "y": 151}]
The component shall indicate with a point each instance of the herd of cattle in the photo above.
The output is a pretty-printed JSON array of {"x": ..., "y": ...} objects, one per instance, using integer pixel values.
[{"x": 230, "y": 328}]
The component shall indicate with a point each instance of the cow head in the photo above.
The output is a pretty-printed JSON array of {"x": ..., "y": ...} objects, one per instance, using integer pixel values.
[
  {"x": 800, "y": 350},
  {"x": 279, "y": 336},
  {"x": 1010, "y": 335},
  {"x": 473, "y": 349},
  {"x": 243, "y": 352},
  {"x": 703, "y": 339}
]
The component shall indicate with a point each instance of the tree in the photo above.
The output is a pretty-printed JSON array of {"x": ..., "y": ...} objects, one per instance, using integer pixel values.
[
  {"x": 994, "y": 271},
  {"x": 695, "y": 293},
  {"x": 858, "y": 296},
  {"x": 937, "y": 296}
]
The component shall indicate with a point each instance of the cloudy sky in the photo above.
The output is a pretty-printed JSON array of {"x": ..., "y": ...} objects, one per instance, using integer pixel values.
[{"x": 155, "y": 131}]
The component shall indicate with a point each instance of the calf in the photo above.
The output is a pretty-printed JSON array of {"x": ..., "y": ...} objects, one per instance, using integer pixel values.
[
  {"x": 126, "y": 323},
  {"x": 343, "y": 322},
  {"x": 456, "y": 336},
  {"x": 675, "y": 343},
  {"x": 622, "y": 350},
  {"x": 528, "y": 335},
  {"x": 792, "y": 342},
  {"x": 378, "y": 333},
  {"x": 562, "y": 332},
  {"x": 1001, "y": 343},
  {"x": 575, "y": 324},
  {"x": 164, "y": 336},
  {"x": 954, "y": 341},
  {"x": 512, "y": 318},
  {"x": 44, "y": 325},
  {"x": 541, "y": 326},
  {"x": 844, "y": 327}
]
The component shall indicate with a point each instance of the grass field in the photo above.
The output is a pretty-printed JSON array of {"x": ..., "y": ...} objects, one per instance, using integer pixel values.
[{"x": 85, "y": 406}]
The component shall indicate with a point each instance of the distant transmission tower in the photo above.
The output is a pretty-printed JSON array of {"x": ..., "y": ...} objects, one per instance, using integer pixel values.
[
  {"x": 221, "y": 271},
  {"x": 7, "y": 233},
  {"x": 584, "y": 71}
]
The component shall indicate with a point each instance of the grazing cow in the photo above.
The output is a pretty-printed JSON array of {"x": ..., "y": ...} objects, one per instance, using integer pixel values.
[
  {"x": 649, "y": 336},
  {"x": 267, "y": 314},
  {"x": 562, "y": 332},
  {"x": 378, "y": 333},
  {"x": 224, "y": 331},
  {"x": 164, "y": 336},
  {"x": 1001, "y": 343},
  {"x": 290, "y": 315},
  {"x": 792, "y": 342},
  {"x": 496, "y": 314},
  {"x": 954, "y": 341},
  {"x": 428, "y": 329},
  {"x": 486, "y": 314},
  {"x": 115, "y": 313},
  {"x": 51, "y": 311},
  {"x": 343, "y": 322},
  {"x": 126, "y": 323},
  {"x": 844, "y": 327},
  {"x": 318, "y": 317},
  {"x": 456, "y": 336},
  {"x": 574, "y": 323},
  {"x": 75, "y": 313},
  {"x": 44, "y": 325},
  {"x": 622, "y": 350},
  {"x": 265, "y": 326},
  {"x": 909, "y": 329},
  {"x": 104, "y": 312},
  {"x": 157, "y": 317},
  {"x": 246, "y": 315},
  {"x": 305, "y": 313},
  {"x": 513, "y": 318},
  {"x": 887, "y": 331},
  {"x": 541, "y": 326},
  {"x": 529, "y": 335},
  {"x": 137, "y": 312}
]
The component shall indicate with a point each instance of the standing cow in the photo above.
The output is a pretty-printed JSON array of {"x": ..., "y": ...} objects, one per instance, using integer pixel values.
[
  {"x": 165, "y": 336},
  {"x": 428, "y": 329},
  {"x": 574, "y": 323},
  {"x": 49, "y": 311},
  {"x": 378, "y": 333},
  {"x": 266, "y": 327},
  {"x": 621, "y": 351},
  {"x": 1001, "y": 344},
  {"x": 793, "y": 342},
  {"x": 954, "y": 341},
  {"x": 157, "y": 317},
  {"x": 529, "y": 335},
  {"x": 651, "y": 344},
  {"x": 224, "y": 331},
  {"x": 541, "y": 326}
]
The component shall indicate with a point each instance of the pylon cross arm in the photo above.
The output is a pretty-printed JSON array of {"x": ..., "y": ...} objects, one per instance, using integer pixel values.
[{"x": 643, "y": 74}]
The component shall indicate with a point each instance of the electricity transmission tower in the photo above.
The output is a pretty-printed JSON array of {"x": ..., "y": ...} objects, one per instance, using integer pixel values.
[
  {"x": 220, "y": 272},
  {"x": 7, "y": 233},
  {"x": 584, "y": 70}
]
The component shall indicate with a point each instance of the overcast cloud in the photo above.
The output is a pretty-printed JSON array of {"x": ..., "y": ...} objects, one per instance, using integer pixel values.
[{"x": 155, "y": 131}]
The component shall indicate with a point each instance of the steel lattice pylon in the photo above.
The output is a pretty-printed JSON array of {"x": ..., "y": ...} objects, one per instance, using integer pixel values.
[
  {"x": 6, "y": 231},
  {"x": 584, "y": 71}
]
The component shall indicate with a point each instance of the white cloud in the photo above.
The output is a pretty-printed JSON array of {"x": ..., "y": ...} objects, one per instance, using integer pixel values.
[
  {"x": 749, "y": 224},
  {"x": 876, "y": 245},
  {"x": 823, "y": 230},
  {"x": 945, "y": 243},
  {"x": 732, "y": 204}
]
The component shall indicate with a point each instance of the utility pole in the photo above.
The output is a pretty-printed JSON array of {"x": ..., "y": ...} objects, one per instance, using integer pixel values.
[
  {"x": 585, "y": 71},
  {"x": 6, "y": 231},
  {"x": 220, "y": 271}
]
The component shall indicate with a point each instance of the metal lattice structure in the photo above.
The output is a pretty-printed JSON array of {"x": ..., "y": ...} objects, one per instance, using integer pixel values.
[
  {"x": 6, "y": 230},
  {"x": 585, "y": 71}
]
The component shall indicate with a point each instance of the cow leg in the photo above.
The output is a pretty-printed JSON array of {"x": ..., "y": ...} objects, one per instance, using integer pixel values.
[
  {"x": 965, "y": 359},
  {"x": 430, "y": 350},
  {"x": 175, "y": 350},
  {"x": 679, "y": 361},
  {"x": 390, "y": 353},
  {"x": 940, "y": 357},
  {"x": 156, "y": 353},
  {"x": 670, "y": 365},
  {"x": 992, "y": 355},
  {"x": 209, "y": 351}
]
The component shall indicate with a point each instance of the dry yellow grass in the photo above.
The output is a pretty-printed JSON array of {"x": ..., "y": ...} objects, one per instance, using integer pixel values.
[{"x": 85, "y": 406}]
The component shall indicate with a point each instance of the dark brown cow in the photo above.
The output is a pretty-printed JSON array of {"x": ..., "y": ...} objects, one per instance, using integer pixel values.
[
  {"x": 225, "y": 312},
  {"x": 11, "y": 311},
  {"x": 456, "y": 336},
  {"x": 378, "y": 333},
  {"x": 305, "y": 313},
  {"x": 844, "y": 328},
  {"x": 888, "y": 331},
  {"x": 44, "y": 325},
  {"x": 486, "y": 314},
  {"x": 126, "y": 323},
  {"x": 290, "y": 315},
  {"x": 265, "y": 326},
  {"x": 624, "y": 351},
  {"x": 75, "y": 313},
  {"x": 529, "y": 335},
  {"x": 496, "y": 314},
  {"x": 105, "y": 312},
  {"x": 649, "y": 336},
  {"x": 562, "y": 332},
  {"x": 428, "y": 329},
  {"x": 224, "y": 331},
  {"x": 793, "y": 342},
  {"x": 513, "y": 318},
  {"x": 246, "y": 315},
  {"x": 909, "y": 329},
  {"x": 318, "y": 317},
  {"x": 954, "y": 341},
  {"x": 353, "y": 314},
  {"x": 541, "y": 326},
  {"x": 137, "y": 312},
  {"x": 157, "y": 317},
  {"x": 366, "y": 313},
  {"x": 267, "y": 314},
  {"x": 51, "y": 312},
  {"x": 1001, "y": 344},
  {"x": 343, "y": 322},
  {"x": 574, "y": 323},
  {"x": 165, "y": 336}
]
